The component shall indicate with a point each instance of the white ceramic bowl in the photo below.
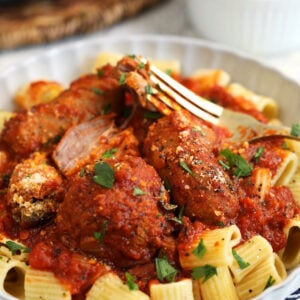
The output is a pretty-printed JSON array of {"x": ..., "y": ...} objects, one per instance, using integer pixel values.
[
  {"x": 258, "y": 26},
  {"x": 66, "y": 63}
]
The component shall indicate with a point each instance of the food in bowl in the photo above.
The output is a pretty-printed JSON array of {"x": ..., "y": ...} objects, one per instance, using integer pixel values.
[{"x": 101, "y": 194}]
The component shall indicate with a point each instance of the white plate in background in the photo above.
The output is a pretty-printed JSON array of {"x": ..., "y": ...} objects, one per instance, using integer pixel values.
[{"x": 66, "y": 63}]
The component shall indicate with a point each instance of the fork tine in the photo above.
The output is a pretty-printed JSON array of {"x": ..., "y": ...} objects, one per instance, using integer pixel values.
[
  {"x": 169, "y": 97},
  {"x": 184, "y": 92}
]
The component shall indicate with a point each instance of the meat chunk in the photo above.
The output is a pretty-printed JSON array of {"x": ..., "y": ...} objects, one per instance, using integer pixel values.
[
  {"x": 182, "y": 153},
  {"x": 42, "y": 126},
  {"x": 123, "y": 225},
  {"x": 34, "y": 191},
  {"x": 92, "y": 139}
]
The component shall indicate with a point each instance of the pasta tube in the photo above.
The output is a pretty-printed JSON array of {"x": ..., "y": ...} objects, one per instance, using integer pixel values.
[
  {"x": 269, "y": 272},
  {"x": 248, "y": 255},
  {"x": 290, "y": 255},
  {"x": 219, "y": 287},
  {"x": 110, "y": 286},
  {"x": 12, "y": 277},
  {"x": 266, "y": 105},
  {"x": 172, "y": 291},
  {"x": 217, "y": 243},
  {"x": 44, "y": 285}
]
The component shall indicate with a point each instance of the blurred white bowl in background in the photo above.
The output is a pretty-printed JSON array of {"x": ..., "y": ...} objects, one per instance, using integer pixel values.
[{"x": 256, "y": 26}]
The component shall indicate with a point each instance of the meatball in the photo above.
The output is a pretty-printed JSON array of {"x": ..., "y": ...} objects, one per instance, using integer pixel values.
[
  {"x": 34, "y": 191},
  {"x": 182, "y": 153},
  {"x": 122, "y": 224}
]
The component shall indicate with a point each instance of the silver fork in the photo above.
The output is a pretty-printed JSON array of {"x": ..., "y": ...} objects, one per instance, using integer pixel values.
[{"x": 167, "y": 95}]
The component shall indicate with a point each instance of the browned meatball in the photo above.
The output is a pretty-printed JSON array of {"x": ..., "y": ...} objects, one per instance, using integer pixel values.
[
  {"x": 122, "y": 225},
  {"x": 182, "y": 154},
  {"x": 34, "y": 191}
]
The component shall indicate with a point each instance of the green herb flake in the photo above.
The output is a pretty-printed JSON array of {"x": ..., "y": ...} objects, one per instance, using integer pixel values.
[
  {"x": 242, "y": 264},
  {"x": 258, "y": 153},
  {"x": 82, "y": 172},
  {"x": 152, "y": 115},
  {"x": 148, "y": 89},
  {"x": 97, "y": 91},
  {"x": 141, "y": 65},
  {"x": 224, "y": 165},
  {"x": 270, "y": 282},
  {"x": 133, "y": 56},
  {"x": 107, "y": 109},
  {"x": 240, "y": 165},
  {"x": 169, "y": 72},
  {"x": 295, "y": 130},
  {"x": 200, "y": 250},
  {"x": 104, "y": 174},
  {"x": 109, "y": 153},
  {"x": 180, "y": 216},
  {"x": 130, "y": 282},
  {"x": 16, "y": 248},
  {"x": 100, "y": 235},
  {"x": 205, "y": 272},
  {"x": 138, "y": 192},
  {"x": 164, "y": 270},
  {"x": 100, "y": 73},
  {"x": 220, "y": 224},
  {"x": 185, "y": 167},
  {"x": 122, "y": 79}
]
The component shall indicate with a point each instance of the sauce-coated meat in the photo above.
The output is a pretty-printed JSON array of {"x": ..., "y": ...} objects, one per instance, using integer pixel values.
[
  {"x": 182, "y": 154},
  {"x": 34, "y": 191},
  {"x": 123, "y": 225},
  {"x": 43, "y": 125}
]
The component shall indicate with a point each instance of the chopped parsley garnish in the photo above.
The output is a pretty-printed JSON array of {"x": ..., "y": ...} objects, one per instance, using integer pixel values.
[
  {"x": 220, "y": 224},
  {"x": 130, "y": 282},
  {"x": 185, "y": 167},
  {"x": 240, "y": 166},
  {"x": 104, "y": 174},
  {"x": 148, "y": 89},
  {"x": 152, "y": 115},
  {"x": 258, "y": 153},
  {"x": 242, "y": 264},
  {"x": 97, "y": 91},
  {"x": 169, "y": 72},
  {"x": 138, "y": 192},
  {"x": 16, "y": 248},
  {"x": 106, "y": 109},
  {"x": 200, "y": 250},
  {"x": 295, "y": 130},
  {"x": 270, "y": 282},
  {"x": 100, "y": 235},
  {"x": 82, "y": 172},
  {"x": 131, "y": 56},
  {"x": 109, "y": 153},
  {"x": 141, "y": 65},
  {"x": 122, "y": 78},
  {"x": 168, "y": 185},
  {"x": 100, "y": 73},
  {"x": 205, "y": 272},
  {"x": 164, "y": 270},
  {"x": 180, "y": 215}
]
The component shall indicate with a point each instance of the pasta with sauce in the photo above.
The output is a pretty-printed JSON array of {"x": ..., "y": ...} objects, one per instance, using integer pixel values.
[{"x": 103, "y": 199}]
